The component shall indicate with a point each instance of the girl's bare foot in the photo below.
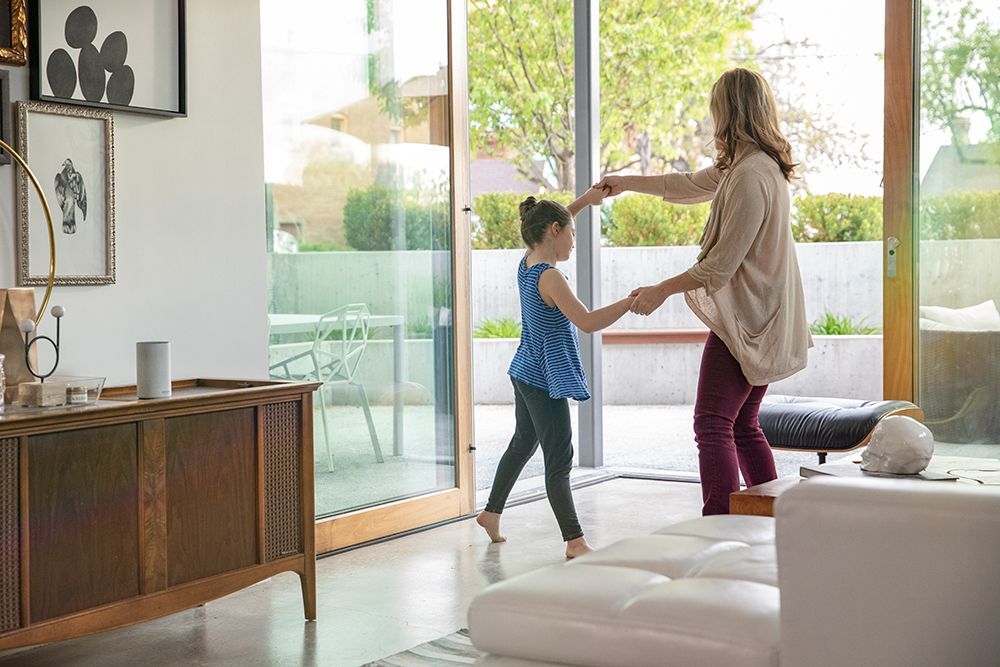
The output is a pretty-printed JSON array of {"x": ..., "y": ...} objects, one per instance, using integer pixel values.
[
  {"x": 490, "y": 521},
  {"x": 578, "y": 547}
]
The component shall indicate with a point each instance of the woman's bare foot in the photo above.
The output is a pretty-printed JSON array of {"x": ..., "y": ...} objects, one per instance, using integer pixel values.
[
  {"x": 490, "y": 521},
  {"x": 578, "y": 547}
]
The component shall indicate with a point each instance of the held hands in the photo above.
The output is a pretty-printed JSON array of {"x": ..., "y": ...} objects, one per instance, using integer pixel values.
[
  {"x": 647, "y": 299},
  {"x": 612, "y": 185}
]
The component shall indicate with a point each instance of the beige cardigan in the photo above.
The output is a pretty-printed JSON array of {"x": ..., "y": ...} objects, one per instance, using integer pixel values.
[{"x": 752, "y": 296}]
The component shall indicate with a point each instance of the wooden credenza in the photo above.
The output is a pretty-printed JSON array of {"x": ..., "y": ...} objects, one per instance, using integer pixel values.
[{"x": 129, "y": 510}]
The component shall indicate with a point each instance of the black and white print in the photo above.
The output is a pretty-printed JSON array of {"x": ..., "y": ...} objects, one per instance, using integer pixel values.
[
  {"x": 71, "y": 152},
  {"x": 119, "y": 54}
]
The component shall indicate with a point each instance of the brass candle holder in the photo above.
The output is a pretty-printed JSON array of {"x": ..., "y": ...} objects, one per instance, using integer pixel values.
[{"x": 27, "y": 326}]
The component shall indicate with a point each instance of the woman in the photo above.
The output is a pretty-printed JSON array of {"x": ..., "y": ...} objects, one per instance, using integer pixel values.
[{"x": 745, "y": 285}]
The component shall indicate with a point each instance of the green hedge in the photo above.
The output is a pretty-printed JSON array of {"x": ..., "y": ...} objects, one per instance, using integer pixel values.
[
  {"x": 369, "y": 215},
  {"x": 499, "y": 225},
  {"x": 637, "y": 220},
  {"x": 961, "y": 215},
  {"x": 641, "y": 220},
  {"x": 836, "y": 217},
  {"x": 841, "y": 217}
]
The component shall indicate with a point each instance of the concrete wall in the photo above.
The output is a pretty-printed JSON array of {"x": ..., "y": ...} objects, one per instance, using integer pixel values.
[
  {"x": 190, "y": 220},
  {"x": 841, "y": 366},
  {"x": 844, "y": 278}
]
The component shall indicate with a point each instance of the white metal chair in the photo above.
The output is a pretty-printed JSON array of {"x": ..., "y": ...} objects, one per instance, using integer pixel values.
[{"x": 338, "y": 345}]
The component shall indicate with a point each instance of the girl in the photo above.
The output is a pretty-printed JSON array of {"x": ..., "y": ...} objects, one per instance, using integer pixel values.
[
  {"x": 745, "y": 285},
  {"x": 546, "y": 369}
]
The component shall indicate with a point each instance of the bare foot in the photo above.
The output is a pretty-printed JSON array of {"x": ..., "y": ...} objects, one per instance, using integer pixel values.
[
  {"x": 578, "y": 547},
  {"x": 490, "y": 521}
]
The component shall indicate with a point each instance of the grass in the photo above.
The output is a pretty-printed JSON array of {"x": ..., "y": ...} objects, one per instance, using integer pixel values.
[{"x": 842, "y": 325}]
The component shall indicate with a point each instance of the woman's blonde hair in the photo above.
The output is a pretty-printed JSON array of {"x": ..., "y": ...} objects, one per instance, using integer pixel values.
[{"x": 744, "y": 111}]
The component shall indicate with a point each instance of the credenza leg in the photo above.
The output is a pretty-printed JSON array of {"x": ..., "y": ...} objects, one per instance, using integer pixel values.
[{"x": 308, "y": 579}]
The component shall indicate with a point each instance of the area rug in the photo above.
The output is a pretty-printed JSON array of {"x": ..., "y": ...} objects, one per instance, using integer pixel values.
[{"x": 453, "y": 649}]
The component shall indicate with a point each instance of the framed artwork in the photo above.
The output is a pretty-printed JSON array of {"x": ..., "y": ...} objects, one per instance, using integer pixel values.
[
  {"x": 71, "y": 152},
  {"x": 5, "y": 114},
  {"x": 13, "y": 32},
  {"x": 122, "y": 55}
]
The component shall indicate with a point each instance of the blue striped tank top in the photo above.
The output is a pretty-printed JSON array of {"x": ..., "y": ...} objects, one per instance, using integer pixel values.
[{"x": 548, "y": 356}]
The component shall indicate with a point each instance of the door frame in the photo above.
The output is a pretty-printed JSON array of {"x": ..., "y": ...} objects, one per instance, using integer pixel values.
[
  {"x": 901, "y": 183},
  {"x": 365, "y": 525}
]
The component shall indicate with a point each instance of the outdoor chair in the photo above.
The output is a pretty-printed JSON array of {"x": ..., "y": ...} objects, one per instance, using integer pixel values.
[{"x": 338, "y": 345}]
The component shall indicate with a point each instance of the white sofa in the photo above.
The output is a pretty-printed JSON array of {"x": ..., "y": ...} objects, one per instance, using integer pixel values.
[{"x": 866, "y": 572}]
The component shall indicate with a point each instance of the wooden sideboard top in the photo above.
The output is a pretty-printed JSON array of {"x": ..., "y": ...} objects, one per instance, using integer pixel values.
[{"x": 121, "y": 404}]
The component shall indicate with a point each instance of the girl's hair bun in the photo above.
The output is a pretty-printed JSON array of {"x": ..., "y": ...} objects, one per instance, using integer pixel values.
[{"x": 526, "y": 206}]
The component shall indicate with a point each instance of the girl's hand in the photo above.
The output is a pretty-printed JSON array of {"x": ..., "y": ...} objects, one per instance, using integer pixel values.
[
  {"x": 594, "y": 196},
  {"x": 612, "y": 185},
  {"x": 647, "y": 299}
]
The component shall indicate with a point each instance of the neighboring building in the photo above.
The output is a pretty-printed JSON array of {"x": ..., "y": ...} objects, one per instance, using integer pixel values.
[
  {"x": 974, "y": 168},
  {"x": 497, "y": 174},
  {"x": 331, "y": 164}
]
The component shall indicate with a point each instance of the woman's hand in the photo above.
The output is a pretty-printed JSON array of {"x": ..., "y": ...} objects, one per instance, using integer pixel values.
[
  {"x": 648, "y": 298},
  {"x": 613, "y": 185}
]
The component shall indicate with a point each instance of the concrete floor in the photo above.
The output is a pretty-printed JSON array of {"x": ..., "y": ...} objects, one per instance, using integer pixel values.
[
  {"x": 373, "y": 601},
  {"x": 651, "y": 437}
]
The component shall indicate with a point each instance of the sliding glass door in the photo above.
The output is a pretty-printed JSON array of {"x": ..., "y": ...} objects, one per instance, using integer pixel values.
[
  {"x": 361, "y": 164},
  {"x": 942, "y": 217},
  {"x": 958, "y": 224}
]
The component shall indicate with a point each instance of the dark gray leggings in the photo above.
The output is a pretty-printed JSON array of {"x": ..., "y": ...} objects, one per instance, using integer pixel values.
[{"x": 543, "y": 420}]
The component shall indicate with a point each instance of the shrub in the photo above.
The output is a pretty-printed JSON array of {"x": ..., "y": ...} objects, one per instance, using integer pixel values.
[
  {"x": 842, "y": 217},
  {"x": 369, "y": 215},
  {"x": 324, "y": 246},
  {"x": 502, "y": 328},
  {"x": 837, "y": 217},
  {"x": 961, "y": 215},
  {"x": 499, "y": 225},
  {"x": 841, "y": 325},
  {"x": 639, "y": 220}
]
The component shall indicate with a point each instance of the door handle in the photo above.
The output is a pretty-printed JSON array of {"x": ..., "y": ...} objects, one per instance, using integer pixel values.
[{"x": 891, "y": 244}]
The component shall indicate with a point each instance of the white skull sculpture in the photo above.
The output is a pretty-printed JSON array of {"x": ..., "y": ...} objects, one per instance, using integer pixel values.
[{"x": 899, "y": 445}]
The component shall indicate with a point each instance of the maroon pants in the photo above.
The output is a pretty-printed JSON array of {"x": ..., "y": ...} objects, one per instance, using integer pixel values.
[{"x": 726, "y": 429}]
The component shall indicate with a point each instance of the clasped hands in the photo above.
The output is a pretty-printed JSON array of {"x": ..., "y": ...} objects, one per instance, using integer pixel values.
[
  {"x": 645, "y": 299},
  {"x": 648, "y": 298}
]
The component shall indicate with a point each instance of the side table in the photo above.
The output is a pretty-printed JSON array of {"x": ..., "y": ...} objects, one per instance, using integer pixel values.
[{"x": 759, "y": 500}]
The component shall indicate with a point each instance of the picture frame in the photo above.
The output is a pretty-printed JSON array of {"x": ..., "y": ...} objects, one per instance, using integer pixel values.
[
  {"x": 71, "y": 152},
  {"x": 13, "y": 32},
  {"x": 120, "y": 55},
  {"x": 5, "y": 110}
]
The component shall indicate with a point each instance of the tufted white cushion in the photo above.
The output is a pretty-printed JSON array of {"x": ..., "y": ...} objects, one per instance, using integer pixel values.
[
  {"x": 873, "y": 573},
  {"x": 700, "y": 597}
]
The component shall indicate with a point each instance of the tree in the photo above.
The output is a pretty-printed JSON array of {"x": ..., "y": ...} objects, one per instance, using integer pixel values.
[
  {"x": 659, "y": 59},
  {"x": 960, "y": 69},
  {"x": 817, "y": 137}
]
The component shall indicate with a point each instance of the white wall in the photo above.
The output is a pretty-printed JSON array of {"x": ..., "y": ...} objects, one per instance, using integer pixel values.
[{"x": 190, "y": 220}]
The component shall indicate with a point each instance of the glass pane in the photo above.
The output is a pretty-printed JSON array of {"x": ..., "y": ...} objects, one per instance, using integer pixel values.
[
  {"x": 959, "y": 225},
  {"x": 358, "y": 173},
  {"x": 522, "y": 133},
  {"x": 827, "y": 77}
]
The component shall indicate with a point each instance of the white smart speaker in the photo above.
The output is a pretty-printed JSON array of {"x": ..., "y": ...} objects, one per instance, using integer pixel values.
[{"x": 152, "y": 369}]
